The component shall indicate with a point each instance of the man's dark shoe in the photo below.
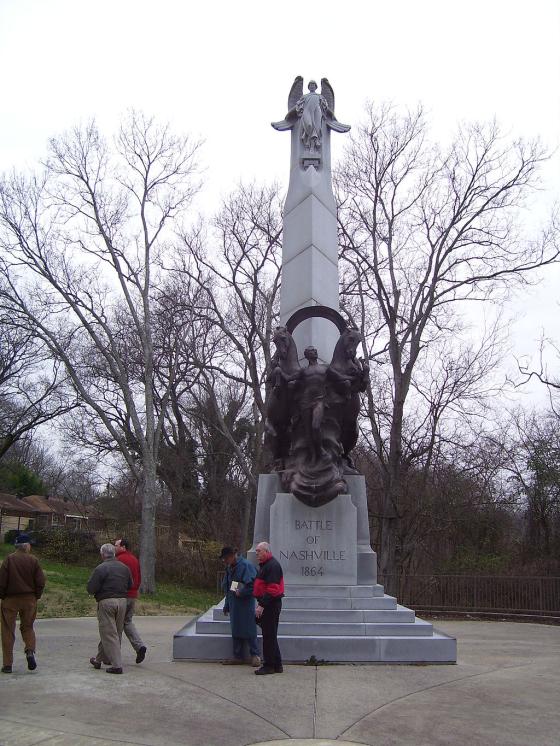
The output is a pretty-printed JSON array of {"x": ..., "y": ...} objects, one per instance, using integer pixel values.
[
  {"x": 141, "y": 654},
  {"x": 263, "y": 671},
  {"x": 95, "y": 663},
  {"x": 6, "y": 669},
  {"x": 112, "y": 669},
  {"x": 31, "y": 662},
  {"x": 278, "y": 669}
]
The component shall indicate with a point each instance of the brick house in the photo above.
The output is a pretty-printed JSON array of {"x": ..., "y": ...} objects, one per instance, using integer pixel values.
[{"x": 41, "y": 511}]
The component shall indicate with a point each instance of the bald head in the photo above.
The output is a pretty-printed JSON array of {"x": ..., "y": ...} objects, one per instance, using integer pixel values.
[{"x": 263, "y": 552}]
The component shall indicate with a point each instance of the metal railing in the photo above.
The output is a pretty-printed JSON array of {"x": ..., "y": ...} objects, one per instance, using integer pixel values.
[
  {"x": 538, "y": 596},
  {"x": 499, "y": 594}
]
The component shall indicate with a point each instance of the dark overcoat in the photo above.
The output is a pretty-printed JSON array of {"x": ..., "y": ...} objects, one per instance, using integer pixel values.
[{"x": 241, "y": 608}]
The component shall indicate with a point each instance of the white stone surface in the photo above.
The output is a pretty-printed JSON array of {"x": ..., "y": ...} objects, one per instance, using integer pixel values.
[
  {"x": 310, "y": 224},
  {"x": 367, "y": 558},
  {"x": 311, "y": 281},
  {"x": 315, "y": 545},
  {"x": 390, "y": 634},
  {"x": 269, "y": 486},
  {"x": 306, "y": 181}
]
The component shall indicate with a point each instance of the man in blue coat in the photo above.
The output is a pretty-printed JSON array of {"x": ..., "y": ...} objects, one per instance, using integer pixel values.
[{"x": 240, "y": 605}]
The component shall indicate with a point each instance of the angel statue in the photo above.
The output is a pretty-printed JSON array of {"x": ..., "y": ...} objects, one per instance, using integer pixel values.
[{"x": 312, "y": 109}]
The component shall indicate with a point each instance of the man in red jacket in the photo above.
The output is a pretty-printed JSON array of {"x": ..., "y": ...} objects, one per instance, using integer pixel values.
[
  {"x": 268, "y": 589},
  {"x": 124, "y": 555}
]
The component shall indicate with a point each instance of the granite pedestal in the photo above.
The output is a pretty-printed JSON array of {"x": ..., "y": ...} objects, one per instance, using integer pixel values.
[{"x": 334, "y": 609}]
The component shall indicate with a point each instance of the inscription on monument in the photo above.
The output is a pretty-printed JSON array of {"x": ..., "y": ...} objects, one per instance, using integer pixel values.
[{"x": 315, "y": 546}]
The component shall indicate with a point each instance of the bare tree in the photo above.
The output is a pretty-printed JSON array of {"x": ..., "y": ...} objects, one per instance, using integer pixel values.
[
  {"x": 422, "y": 231},
  {"x": 236, "y": 265},
  {"x": 83, "y": 244},
  {"x": 543, "y": 374},
  {"x": 461, "y": 515},
  {"x": 33, "y": 388},
  {"x": 533, "y": 463}
]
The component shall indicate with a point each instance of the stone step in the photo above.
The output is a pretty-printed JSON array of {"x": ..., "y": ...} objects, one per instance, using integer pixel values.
[
  {"x": 334, "y": 591},
  {"x": 400, "y": 615},
  {"x": 434, "y": 648},
  {"x": 377, "y": 602},
  {"x": 315, "y": 602},
  {"x": 323, "y": 602},
  {"x": 207, "y": 626}
]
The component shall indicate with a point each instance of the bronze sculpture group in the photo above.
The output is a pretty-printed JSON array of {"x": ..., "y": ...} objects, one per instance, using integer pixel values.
[{"x": 312, "y": 412}]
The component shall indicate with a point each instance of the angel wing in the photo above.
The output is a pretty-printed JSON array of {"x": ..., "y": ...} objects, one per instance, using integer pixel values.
[
  {"x": 328, "y": 93},
  {"x": 296, "y": 92}
]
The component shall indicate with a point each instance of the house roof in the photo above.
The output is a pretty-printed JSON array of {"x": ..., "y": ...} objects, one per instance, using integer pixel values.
[
  {"x": 31, "y": 505},
  {"x": 15, "y": 506},
  {"x": 51, "y": 504},
  {"x": 40, "y": 504}
]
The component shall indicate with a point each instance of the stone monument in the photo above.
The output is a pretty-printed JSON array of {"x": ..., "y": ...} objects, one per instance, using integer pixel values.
[
  {"x": 312, "y": 506},
  {"x": 310, "y": 244}
]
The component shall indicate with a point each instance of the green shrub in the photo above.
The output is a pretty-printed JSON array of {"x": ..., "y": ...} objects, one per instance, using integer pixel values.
[
  {"x": 195, "y": 565},
  {"x": 10, "y": 536},
  {"x": 65, "y": 544},
  {"x": 475, "y": 562}
]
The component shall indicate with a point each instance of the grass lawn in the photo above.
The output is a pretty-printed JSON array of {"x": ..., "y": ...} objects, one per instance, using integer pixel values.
[{"x": 66, "y": 596}]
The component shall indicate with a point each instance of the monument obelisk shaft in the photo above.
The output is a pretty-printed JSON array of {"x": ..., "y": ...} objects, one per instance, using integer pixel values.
[{"x": 310, "y": 246}]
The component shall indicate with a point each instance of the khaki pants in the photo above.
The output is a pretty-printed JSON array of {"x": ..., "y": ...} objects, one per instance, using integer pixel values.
[
  {"x": 110, "y": 615},
  {"x": 130, "y": 628},
  {"x": 26, "y": 606}
]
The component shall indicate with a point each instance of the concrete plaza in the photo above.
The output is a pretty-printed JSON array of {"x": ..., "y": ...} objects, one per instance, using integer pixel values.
[{"x": 503, "y": 690}]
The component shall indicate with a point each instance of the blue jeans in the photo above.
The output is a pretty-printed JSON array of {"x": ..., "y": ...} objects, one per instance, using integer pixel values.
[{"x": 239, "y": 645}]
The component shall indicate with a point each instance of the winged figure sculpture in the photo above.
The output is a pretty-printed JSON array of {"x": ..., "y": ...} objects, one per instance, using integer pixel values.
[{"x": 312, "y": 109}]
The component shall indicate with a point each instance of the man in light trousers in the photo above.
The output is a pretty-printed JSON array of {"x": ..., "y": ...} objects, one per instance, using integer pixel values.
[
  {"x": 21, "y": 585},
  {"x": 110, "y": 583}
]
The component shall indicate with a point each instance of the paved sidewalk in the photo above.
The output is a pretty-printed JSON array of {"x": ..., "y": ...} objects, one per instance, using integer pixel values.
[{"x": 504, "y": 690}]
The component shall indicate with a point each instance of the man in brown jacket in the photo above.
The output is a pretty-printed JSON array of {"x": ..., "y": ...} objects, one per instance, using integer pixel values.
[{"x": 21, "y": 584}]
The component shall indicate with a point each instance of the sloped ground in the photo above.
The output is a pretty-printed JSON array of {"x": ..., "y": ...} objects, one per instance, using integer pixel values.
[
  {"x": 66, "y": 596},
  {"x": 504, "y": 690}
]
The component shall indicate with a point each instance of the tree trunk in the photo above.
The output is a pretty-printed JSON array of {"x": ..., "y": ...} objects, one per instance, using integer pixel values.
[
  {"x": 387, "y": 559},
  {"x": 245, "y": 540},
  {"x": 148, "y": 527}
]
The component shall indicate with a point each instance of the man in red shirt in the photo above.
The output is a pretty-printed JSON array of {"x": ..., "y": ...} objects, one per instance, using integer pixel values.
[{"x": 125, "y": 556}]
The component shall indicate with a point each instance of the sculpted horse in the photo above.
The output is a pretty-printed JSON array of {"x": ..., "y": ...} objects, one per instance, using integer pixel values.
[
  {"x": 348, "y": 377},
  {"x": 281, "y": 378}
]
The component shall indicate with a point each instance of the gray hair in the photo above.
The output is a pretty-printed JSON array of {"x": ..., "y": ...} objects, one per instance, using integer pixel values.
[
  {"x": 263, "y": 545},
  {"x": 108, "y": 551}
]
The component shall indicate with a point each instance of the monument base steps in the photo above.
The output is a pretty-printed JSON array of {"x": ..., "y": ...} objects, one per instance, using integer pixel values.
[
  {"x": 334, "y": 609},
  {"x": 335, "y": 624}
]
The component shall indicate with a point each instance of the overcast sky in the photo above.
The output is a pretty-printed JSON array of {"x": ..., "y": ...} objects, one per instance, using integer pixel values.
[{"x": 222, "y": 71}]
